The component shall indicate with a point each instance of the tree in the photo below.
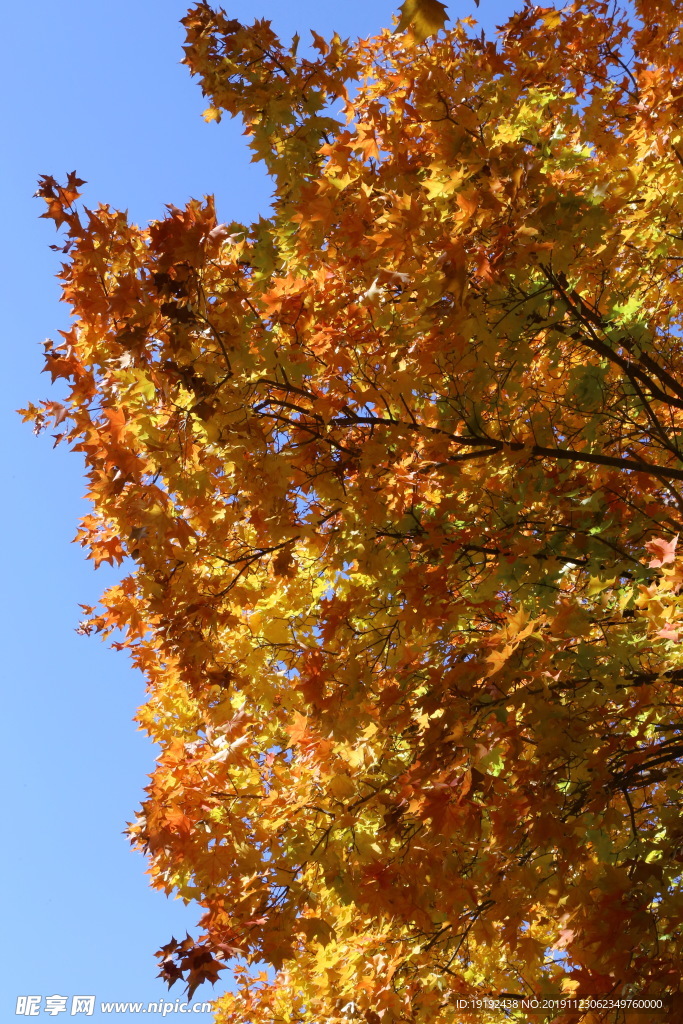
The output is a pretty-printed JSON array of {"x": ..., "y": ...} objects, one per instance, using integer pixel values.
[{"x": 398, "y": 473}]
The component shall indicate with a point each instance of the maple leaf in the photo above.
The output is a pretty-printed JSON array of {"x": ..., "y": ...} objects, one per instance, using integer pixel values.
[
  {"x": 664, "y": 551},
  {"x": 219, "y": 233},
  {"x": 297, "y": 730},
  {"x": 201, "y": 966},
  {"x": 669, "y": 633},
  {"x": 423, "y": 17},
  {"x": 190, "y": 961},
  {"x": 384, "y": 462}
]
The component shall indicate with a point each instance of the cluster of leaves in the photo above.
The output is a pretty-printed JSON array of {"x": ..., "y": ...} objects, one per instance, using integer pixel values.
[{"x": 399, "y": 472}]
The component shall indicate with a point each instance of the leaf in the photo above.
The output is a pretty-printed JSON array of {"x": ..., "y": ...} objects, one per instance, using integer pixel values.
[
  {"x": 423, "y": 17},
  {"x": 381, "y": 467},
  {"x": 297, "y": 730},
  {"x": 669, "y": 633},
  {"x": 596, "y": 585},
  {"x": 664, "y": 551}
]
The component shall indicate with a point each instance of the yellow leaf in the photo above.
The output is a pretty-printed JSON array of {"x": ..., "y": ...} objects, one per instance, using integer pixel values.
[
  {"x": 552, "y": 20},
  {"x": 496, "y": 659},
  {"x": 424, "y": 17},
  {"x": 517, "y": 622},
  {"x": 596, "y": 585},
  {"x": 341, "y": 181}
]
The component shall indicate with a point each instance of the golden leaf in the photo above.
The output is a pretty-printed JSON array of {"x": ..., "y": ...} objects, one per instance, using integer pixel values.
[{"x": 424, "y": 17}]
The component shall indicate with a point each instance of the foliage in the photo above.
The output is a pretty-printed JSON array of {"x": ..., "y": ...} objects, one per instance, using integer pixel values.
[
  {"x": 423, "y": 17},
  {"x": 397, "y": 473}
]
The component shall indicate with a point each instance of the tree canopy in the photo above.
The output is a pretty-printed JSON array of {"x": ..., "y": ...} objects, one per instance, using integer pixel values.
[{"x": 396, "y": 472}]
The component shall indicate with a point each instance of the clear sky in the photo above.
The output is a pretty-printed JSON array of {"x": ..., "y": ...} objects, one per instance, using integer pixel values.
[{"x": 96, "y": 87}]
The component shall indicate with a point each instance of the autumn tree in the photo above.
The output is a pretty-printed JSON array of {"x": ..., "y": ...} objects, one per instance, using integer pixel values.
[{"x": 396, "y": 475}]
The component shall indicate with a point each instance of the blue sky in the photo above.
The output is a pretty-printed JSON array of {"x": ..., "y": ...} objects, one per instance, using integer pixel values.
[{"x": 98, "y": 88}]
